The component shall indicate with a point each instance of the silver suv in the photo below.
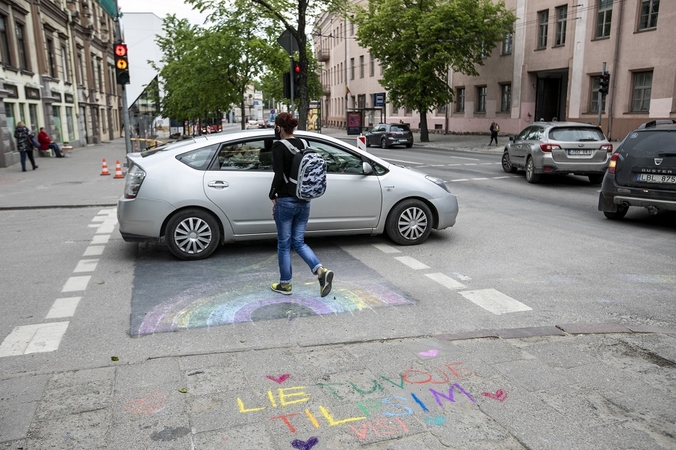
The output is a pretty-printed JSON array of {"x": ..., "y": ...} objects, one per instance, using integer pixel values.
[{"x": 558, "y": 148}]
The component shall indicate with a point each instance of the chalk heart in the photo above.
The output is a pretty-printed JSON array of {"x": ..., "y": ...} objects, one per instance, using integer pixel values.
[
  {"x": 431, "y": 353},
  {"x": 499, "y": 395},
  {"x": 435, "y": 420},
  {"x": 148, "y": 405},
  {"x": 302, "y": 445},
  {"x": 280, "y": 379}
]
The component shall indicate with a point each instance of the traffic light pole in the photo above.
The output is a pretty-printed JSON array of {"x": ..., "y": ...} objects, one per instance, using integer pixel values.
[
  {"x": 125, "y": 106},
  {"x": 292, "y": 105},
  {"x": 603, "y": 72}
]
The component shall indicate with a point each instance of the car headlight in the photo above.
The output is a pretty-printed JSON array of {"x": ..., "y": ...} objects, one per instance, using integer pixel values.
[
  {"x": 439, "y": 182},
  {"x": 133, "y": 181}
]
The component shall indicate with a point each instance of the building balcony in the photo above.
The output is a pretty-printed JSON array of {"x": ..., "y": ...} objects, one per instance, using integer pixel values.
[{"x": 323, "y": 55}]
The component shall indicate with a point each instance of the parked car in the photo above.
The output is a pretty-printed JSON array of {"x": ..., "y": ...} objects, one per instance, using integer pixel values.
[
  {"x": 558, "y": 148},
  {"x": 642, "y": 172},
  {"x": 198, "y": 193},
  {"x": 388, "y": 134}
]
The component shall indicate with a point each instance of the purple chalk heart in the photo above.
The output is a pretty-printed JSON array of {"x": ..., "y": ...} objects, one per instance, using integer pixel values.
[
  {"x": 431, "y": 353},
  {"x": 300, "y": 445}
]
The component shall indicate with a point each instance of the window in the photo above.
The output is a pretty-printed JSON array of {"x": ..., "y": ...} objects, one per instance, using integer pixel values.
[
  {"x": 594, "y": 104},
  {"x": 21, "y": 46},
  {"x": 361, "y": 66},
  {"x": 69, "y": 121},
  {"x": 543, "y": 28},
  {"x": 33, "y": 114},
  {"x": 51, "y": 57},
  {"x": 506, "y": 97},
  {"x": 99, "y": 75},
  {"x": 507, "y": 43},
  {"x": 481, "y": 99},
  {"x": 372, "y": 64},
  {"x": 64, "y": 62},
  {"x": 441, "y": 110},
  {"x": 351, "y": 68},
  {"x": 199, "y": 159},
  {"x": 649, "y": 9},
  {"x": 361, "y": 101},
  {"x": 252, "y": 155},
  {"x": 561, "y": 21},
  {"x": 80, "y": 70},
  {"x": 604, "y": 18},
  {"x": 642, "y": 86},
  {"x": 340, "y": 161},
  {"x": 9, "y": 112},
  {"x": 4, "y": 42},
  {"x": 460, "y": 100},
  {"x": 56, "y": 120}
]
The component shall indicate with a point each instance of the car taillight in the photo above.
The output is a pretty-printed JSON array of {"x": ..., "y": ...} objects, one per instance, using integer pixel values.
[
  {"x": 607, "y": 147},
  {"x": 613, "y": 163},
  {"x": 133, "y": 181},
  {"x": 549, "y": 147},
  {"x": 391, "y": 133}
]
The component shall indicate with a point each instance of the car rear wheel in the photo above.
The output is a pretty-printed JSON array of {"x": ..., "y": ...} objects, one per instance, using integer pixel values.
[
  {"x": 617, "y": 215},
  {"x": 507, "y": 163},
  {"x": 595, "y": 179},
  {"x": 192, "y": 234},
  {"x": 531, "y": 176},
  {"x": 409, "y": 145},
  {"x": 383, "y": 143},
  {"x": 409, "y": 222}
]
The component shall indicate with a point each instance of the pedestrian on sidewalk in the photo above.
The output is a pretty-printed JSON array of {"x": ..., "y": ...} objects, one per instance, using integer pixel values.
[
  {"x": 291, "y": 214},
  {"x": 494, "y": 128},
  {"x": 46, "y": 143},
  {"x": 24, "y": 143}
]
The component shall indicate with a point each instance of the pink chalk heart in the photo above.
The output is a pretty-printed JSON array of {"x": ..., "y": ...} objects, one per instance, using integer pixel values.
[
  {"x": 499, "y": 395},
  {"x": 436, "y": 420},
  {"x": 148, "y": 405},
  {"x": 431, "y": 353},
  {"x": 301, "y": 445},
  {"x": 279, "y": 380}
]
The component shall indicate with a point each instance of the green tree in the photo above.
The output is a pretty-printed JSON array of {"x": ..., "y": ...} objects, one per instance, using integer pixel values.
[{"x": 417, "y": 41}]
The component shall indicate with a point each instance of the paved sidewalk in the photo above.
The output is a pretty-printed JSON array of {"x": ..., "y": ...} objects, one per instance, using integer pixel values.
[{"x": 570, "y": 386}]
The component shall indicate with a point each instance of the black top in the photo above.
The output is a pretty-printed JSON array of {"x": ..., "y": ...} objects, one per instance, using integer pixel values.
[{"x": 281, "y": 164}]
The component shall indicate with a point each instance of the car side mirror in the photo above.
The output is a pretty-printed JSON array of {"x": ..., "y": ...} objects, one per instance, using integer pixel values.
[
  {"x": 366, "y": 168},
  {"x": 512, "y": 138}
]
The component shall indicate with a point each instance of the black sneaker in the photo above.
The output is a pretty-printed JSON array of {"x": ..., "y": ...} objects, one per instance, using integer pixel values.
[
  {"x": 282, "y": 288},
  {"x": 325, "y": 278}
]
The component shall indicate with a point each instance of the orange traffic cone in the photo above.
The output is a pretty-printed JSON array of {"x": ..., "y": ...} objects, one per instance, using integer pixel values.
[
  {"x": 104, "y": 168},
  {"x": 118, "y": 170}
]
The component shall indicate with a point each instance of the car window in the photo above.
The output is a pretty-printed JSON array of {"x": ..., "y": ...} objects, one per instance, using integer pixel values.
[
  {"x": 246, "y": 155},
  {"x": 576, "y": 134},
  {"x": 198, "y": 159},
  {"x": 524, "y": 133},
  {"x": 399, "y": 128},
  {"x": 535, "y": 134},
  {"x": 337, "y": 159},
  {"x": 649, "y": 143},
  {"x": 378, "y": 128}
]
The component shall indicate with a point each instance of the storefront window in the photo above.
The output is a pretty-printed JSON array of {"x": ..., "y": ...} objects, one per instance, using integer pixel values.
[{"x": 56, "y": 119}]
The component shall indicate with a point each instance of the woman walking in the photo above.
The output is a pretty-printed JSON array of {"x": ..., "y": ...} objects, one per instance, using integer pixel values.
[{"x": 24, "y": 143}]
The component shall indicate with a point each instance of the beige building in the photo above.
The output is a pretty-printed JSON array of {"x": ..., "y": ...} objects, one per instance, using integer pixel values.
[
  {"x": 548, "y": 67},
  {"x": 57, "y": 72}
]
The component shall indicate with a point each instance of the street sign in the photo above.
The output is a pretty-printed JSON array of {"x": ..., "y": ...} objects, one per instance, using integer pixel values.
[
  {"x": 288, "y": 42},
  {"x": 379, "y": 99}
]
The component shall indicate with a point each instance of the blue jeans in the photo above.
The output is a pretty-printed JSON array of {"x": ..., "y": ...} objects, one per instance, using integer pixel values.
[{"x": 291, "y": 216}]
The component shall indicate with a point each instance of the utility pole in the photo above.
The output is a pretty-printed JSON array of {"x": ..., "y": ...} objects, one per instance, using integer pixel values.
[{"x": 125, "y": 106}]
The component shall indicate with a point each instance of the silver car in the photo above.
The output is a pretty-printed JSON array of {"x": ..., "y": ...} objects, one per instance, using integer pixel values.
[
  {"x": 558, "y": 148},
  {"x": 199, "y": 193}
]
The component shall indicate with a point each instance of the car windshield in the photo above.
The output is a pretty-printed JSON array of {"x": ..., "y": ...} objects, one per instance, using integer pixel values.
[
  {"x": 576, "y": 134},
  {"x": 650, "y": 143}
]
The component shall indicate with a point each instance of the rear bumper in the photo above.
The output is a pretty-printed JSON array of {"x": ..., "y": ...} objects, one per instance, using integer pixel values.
[
  {"x": 613, "y": 196},
  {"x": 547, "y": 164}
]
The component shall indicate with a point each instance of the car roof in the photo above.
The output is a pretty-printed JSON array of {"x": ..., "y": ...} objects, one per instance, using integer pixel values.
[
  {"x": 565, "y": 124},
  {"x": 659, "y": 124}
]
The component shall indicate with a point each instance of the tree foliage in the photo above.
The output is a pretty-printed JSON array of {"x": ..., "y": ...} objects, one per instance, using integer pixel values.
[{"x": 417, "y": 41}]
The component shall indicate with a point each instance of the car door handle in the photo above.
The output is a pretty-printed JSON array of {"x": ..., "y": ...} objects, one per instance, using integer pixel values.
[{"x": 218, "y": 184}]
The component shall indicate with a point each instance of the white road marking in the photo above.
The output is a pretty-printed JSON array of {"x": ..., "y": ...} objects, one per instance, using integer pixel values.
[
  {"x": 500, "y": 178},
  {"x": 386, "y": 248},
  {"x": 459, "y": 179},
  {"x": 44, "y": 337},
  {"x": 462, "y": 277},
  {"x": 86, "y": 265},
  {"x": 63, "y": 307},
  {"x": 402, "y": 161},
  {"x": 76, "y": 284},
  {"x": 495, "y": 301},
  {"x": 94, "y": 250},
  {"x": 106, "y": 228},
  {"x": 445, "y": 280},
  {"x": 101, "y": 239},
  {"x": 411, "y": 262},
  {"x": 470, "y": 164},
  {"x": 476, "y": 179}
]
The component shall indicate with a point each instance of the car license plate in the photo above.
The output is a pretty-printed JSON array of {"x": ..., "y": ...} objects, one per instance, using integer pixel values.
[
  {"x": 585, "y": 152},
  {"x": 652, "y": 178}
]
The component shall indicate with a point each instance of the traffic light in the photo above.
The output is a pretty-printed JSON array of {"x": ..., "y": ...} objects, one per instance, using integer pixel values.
[
  {"x": 604, "y": 82},
  {"x": 296, "y": 79},
  {"x": 121, "y": 63}
]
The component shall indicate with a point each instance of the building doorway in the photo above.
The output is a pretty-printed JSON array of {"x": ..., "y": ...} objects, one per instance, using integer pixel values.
[{"x": 551, "y": 94}]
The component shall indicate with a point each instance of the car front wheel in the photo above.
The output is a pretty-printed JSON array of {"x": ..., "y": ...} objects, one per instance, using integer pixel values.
[
  {"x": 192, "y": 234},
  {"x": 507, "y": 163},
  {"x": 531, "y": 176},
  {"x": 409, "y": 222},
  {"x": 617, "y": 215}
]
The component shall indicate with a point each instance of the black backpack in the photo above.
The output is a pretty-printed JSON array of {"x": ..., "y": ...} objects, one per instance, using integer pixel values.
[{"x": 307, "y": 179}]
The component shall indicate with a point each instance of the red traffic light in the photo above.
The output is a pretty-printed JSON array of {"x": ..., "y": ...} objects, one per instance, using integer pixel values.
[
  {"x": 120, "y": 50},
  {"x": 296, "y": 67}
]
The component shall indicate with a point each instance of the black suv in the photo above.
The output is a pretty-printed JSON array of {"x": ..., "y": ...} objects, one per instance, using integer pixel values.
[{"x": 642, "y": 171}]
